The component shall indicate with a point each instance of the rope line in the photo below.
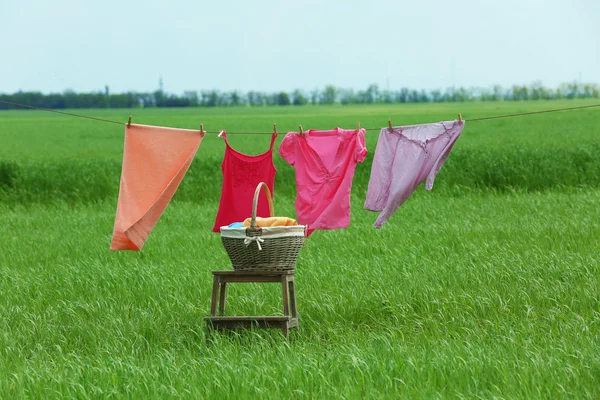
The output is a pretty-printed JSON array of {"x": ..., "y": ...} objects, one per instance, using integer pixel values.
[
  {"x": 534, "y": 112},
  {"x": 270, "y": 133},
  {"x": 61, "y": 112}
]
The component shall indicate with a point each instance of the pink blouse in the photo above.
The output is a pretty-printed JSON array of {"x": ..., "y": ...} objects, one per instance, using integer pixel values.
[{"x": 324, "y": 162}]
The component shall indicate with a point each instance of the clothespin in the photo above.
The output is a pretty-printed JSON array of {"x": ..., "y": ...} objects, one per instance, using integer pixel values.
[
  {"x": 390, "y": 128},
  {"x": 220, "y": 133},
  {"x": 357, "y": 127},
  {"x": 275, "y": 129},
  {"x": 202, "y": 131},
  {"x": 301, "y": 131},
  {"x": 129, "y": 121},
  {"x": 460, "y": 120}
]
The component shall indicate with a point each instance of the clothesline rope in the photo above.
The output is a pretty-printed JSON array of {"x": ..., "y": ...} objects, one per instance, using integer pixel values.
[
  {"x": 270, "y": 133},
  {"x": 60, "y": 112}
]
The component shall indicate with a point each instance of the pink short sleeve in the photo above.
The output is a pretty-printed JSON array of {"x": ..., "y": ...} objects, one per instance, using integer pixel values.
[
  {"x": 361, "y": 147},
  {"x": 287, "y": 148}
]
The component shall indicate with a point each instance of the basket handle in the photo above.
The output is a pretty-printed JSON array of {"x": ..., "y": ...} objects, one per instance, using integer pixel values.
[{"x": 264, "y": 186}]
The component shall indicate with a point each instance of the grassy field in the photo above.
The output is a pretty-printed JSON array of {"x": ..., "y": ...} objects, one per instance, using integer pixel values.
[
  {"x": 488, "y": 286},
  {"x": 48, "y": 157}
]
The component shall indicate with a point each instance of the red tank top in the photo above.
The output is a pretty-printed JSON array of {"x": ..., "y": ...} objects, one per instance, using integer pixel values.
[{"x": 241, "y": 175}]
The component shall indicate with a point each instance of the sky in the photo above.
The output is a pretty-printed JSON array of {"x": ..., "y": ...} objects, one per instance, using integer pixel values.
[{"x": 52, "y": 46}]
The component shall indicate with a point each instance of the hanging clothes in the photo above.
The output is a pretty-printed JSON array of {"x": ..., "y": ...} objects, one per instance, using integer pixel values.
[
  {"x": 155, "y": 160},
  {"x": 241, "y": 175},
  {"x": 404, "y": 158},
  {"x": 324, "y": 162}
]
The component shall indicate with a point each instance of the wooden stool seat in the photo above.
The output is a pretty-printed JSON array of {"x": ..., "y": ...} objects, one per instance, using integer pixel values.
[{"x": 288, "y": 291}]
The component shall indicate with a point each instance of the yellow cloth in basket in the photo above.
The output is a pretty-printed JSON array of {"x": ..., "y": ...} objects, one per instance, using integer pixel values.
[{"x": 271, "y": 221}]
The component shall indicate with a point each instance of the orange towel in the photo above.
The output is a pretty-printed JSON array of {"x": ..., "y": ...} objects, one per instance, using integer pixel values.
[
  {"x": 155, "y": 160},
  {"x": 271, "y": 221}
]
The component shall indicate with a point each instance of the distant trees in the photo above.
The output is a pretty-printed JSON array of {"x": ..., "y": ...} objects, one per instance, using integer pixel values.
[
  {"x": 283, "y": 99},
  {"x": 298, "y": 98},
  {"x": 328, "y": 95}
]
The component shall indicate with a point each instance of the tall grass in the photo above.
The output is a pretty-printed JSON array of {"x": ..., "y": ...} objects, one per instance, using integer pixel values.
[
  {"x": 486, "y": 287},
  {"x": 53, "y": 159},
  {"x": 483, "y": 296},
  {"x": 521, "y": 169}
]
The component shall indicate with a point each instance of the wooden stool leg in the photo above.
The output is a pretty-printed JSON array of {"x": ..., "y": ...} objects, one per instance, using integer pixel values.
[
  {"x": 222, "y": 298},
  {"x": 284, "y": 292},
  {"x": 293, "y": 298},
  {"x": 286, "y": 329},
  {"x": 213, "y": 301}
]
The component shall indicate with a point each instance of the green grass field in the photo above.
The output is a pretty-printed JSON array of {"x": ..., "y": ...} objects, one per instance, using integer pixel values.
[{"x": 486, "y": 287}]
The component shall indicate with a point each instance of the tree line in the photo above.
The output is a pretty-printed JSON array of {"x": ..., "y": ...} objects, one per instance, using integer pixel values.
[{"x": 328, "y": 95}]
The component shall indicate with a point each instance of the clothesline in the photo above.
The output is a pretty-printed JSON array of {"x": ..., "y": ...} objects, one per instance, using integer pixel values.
[
  {"x": 270, "y": 133},
  {"x": 324, "y": 171}
]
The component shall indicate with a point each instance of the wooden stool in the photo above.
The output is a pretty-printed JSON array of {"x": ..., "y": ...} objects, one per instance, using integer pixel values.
[{"x": 285, "y": 322}]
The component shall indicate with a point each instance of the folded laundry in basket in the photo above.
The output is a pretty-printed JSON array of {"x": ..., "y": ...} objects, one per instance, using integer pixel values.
[
  {"x": 271, "y": 221},
  {"x": 236, "y": 225}
]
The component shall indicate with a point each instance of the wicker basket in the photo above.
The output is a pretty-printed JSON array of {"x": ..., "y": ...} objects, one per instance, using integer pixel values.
[{"x": 263, "y": 249}]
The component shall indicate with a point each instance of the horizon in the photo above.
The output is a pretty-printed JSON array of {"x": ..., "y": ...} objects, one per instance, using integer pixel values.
[{"x": 309, "y": 91}]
